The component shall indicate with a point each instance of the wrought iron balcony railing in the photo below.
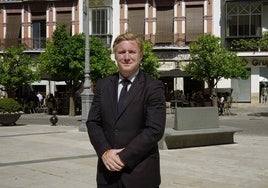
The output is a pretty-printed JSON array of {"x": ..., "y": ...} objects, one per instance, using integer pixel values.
[
  {"x": 248, "y": 45},
  {"x": 30, "y": 44}
]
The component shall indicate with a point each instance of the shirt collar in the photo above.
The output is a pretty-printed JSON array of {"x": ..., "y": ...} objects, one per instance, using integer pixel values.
[{"x": 131, "y": 78}]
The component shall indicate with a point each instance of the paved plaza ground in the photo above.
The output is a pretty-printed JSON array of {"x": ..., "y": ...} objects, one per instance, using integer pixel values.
[{"x": 34, "y": 154}]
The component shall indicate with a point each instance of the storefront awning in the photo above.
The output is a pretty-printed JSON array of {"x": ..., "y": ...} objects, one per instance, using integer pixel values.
[{"x": 174, "y": 73}]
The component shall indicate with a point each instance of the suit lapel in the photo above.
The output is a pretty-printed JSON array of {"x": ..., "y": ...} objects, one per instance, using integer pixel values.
[
  {"x": 134, "y": 89},
  {"x": 112, "y": 92}
]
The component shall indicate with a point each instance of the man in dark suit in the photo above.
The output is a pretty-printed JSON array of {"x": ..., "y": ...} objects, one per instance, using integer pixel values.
[{"x": 125, "y": 131}]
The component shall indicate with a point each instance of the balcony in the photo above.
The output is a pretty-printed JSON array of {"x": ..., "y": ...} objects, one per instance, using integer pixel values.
[
  {"x": 169, "y": 39},
  {"x": 248, "y": 44},
  {"x": 164, "y": 39},
  {"x": 35, "y": 44}
]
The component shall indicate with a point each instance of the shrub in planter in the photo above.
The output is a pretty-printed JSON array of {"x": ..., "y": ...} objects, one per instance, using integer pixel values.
[
  {"x": 10, "y": 111},
  {"x": 9, "y": 105}
]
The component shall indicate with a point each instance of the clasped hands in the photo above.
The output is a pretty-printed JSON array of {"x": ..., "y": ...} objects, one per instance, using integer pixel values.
[{"x": 112, "y": 160}]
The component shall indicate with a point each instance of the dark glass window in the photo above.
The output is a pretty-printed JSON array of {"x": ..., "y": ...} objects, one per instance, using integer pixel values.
[
  {"x": 243, "y": 19},
  {"x": 99, "y": 21},
  {"x": 101, "y": 24},
  {"x": 39, "y": 34}
]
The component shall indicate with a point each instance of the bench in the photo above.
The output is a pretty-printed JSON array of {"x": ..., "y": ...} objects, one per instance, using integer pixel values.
[{"x": 196, "y": 126}]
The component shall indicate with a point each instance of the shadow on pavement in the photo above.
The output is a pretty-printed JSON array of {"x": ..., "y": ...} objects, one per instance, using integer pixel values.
[{"x": 259, "y": 114}]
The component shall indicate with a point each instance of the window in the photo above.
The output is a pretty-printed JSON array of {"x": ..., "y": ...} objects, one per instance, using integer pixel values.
[
  {"x": 13, "y": 33},
  {"x": 136, "y": 21},
  {"x": 39, "y": 30},
  {"x": 194, "y": 23},
  {"x": 39, "y": 34},
  {"x": 243, "y": 19},
  {"x": 101, "y": 23},
  {"x": 65, "y": 18},
  {"x": 164, "y": 25}
]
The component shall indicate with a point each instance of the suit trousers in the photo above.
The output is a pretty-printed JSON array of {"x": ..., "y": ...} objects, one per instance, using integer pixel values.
[{"x": 118, "y": 184}]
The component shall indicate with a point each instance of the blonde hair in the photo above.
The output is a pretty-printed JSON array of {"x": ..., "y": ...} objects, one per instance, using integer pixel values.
[{"x": 129, "y": 37}]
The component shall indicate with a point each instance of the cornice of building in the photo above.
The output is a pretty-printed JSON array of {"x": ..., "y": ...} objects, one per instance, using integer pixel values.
[{"x": 252, "y": 54}]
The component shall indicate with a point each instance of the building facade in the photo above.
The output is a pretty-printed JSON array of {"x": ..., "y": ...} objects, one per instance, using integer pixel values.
[
  {"x": 171, "y": 25},
  {"x": 32, "y": 23},
  {"x": 247, "y": 22}
]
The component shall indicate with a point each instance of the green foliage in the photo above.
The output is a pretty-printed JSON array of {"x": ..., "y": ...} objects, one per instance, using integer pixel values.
[
  {"x": 101, "y": 64},
  {"x": 252, "y": 44},
  {"x": 210, "y": 61},
  {"x": 64, "y": 59},
  {"x": 17, "y": 69},
  {"x": 64, "y": 56},
  {"x": 150, "y": 62},
  {"x": 264, "y": 42},
  {"x": 9, "y": 105},
  {"x": 245, "y": 44}
]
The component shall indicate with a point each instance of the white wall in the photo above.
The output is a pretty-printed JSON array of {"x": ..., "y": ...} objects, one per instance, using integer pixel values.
[
  {"x": 80, "y": 3},
  {"x": 116, "y": 19},
  {"x": 255, "y": 86},
  {"x": 216, "y": 16},
  {"x": 224, "y": 83}
]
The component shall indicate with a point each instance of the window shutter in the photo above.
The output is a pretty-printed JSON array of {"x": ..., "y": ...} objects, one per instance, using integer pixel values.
[
  {"x": 164, "y": 25},
  {"x": 136, "y": 21},
  {"x": 65, "y": 18},
  {"x": 194, "y": 23},
  {"x": 13, "y": 29}
]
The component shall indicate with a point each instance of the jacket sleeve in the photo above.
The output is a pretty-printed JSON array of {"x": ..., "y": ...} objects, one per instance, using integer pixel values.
[{"x": 94, "y": 124}]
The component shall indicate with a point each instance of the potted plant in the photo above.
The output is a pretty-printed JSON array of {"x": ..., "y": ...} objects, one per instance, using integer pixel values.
[{"x": 10, "y": 111}]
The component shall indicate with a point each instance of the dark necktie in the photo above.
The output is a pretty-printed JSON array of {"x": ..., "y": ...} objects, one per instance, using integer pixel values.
[{"x": 123, "y": 92}]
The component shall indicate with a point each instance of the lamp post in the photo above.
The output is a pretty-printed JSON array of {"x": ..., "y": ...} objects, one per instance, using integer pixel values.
[{"x": 87, "y": 94}]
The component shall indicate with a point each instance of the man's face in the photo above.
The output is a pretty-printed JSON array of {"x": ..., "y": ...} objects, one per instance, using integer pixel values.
[{"x": 128, "y": 57}]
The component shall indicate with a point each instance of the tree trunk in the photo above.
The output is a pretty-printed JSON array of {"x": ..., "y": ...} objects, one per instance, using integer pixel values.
[
  {"x": 71, "y": 107},
  {"x": 213, "y": 94},
  {"x": 71, "y": 99},
  {"x": 11, "y": 94}
]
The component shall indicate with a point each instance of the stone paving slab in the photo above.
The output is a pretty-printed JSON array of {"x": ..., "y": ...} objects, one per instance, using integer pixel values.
[
  {"x": 44, "y": 156},
  {"x": 35, "y": 157}
]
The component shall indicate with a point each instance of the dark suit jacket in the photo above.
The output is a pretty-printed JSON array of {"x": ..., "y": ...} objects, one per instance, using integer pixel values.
[{"x": 137, "y": 128}]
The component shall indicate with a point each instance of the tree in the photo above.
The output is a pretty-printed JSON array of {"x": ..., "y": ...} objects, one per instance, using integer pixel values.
[
  {"x": 64, "y": 60},
  {"x": 101, "y": 63},
  {"x": 17, "y": 69},
  {"x": 149, "y": 63},
  {"x": 210, "y": 62}
]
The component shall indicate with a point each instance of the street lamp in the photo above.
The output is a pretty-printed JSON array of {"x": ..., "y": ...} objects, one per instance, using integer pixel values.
[{"x": 87, "y": 94}]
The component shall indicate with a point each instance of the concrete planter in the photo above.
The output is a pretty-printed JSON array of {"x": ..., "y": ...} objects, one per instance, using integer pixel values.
[
  {"x": 9, "y": 119},
  {"x": 194, "y": 118},
  {"x": 196, "y": 126}
]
